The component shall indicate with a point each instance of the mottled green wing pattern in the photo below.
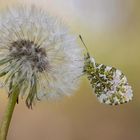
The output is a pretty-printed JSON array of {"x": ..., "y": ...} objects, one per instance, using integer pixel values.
[{"x": 110, "y": 84}]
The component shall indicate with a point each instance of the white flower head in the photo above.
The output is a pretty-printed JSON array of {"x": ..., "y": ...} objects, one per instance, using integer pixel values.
[{"x": 37, "y": 54}]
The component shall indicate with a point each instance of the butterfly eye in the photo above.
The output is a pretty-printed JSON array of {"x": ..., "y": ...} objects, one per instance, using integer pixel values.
[{"x": 110, "y": 85}]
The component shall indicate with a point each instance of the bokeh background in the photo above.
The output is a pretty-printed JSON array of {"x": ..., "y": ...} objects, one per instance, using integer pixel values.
[{"x": 111, "y": 30}]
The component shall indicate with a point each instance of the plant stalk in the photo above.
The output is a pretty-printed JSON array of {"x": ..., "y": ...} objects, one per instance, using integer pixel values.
[{"x": 8, "y": 114}]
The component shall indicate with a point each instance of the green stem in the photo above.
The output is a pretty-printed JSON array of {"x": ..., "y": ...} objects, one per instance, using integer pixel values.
[{"x": 8, "y": 114}]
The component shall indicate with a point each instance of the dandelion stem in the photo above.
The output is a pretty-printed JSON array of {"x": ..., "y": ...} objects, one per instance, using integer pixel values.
[{"x": 8, "y": 114}]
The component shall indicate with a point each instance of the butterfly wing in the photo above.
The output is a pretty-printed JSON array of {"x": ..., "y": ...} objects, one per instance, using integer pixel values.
[{"x": 110, "y": 85}]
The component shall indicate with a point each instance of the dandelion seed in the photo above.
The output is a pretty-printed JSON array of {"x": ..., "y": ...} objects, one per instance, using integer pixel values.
[{"x": 37, "y": 54}]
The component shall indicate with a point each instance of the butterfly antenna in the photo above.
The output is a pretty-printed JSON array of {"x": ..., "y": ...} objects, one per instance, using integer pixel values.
[{"x": 83, "y": 42}]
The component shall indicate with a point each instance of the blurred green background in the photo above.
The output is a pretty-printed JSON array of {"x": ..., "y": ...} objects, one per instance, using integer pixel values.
[{"x": 111, "y": 30}]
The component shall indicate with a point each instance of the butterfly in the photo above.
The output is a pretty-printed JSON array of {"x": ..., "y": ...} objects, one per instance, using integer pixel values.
[{"x": 110, "y": 84}]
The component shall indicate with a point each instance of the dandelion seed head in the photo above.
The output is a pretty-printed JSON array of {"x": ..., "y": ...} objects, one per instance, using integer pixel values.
[
  {"x": 38, "y": 54},
  {"x": 30, "y": 52}
]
